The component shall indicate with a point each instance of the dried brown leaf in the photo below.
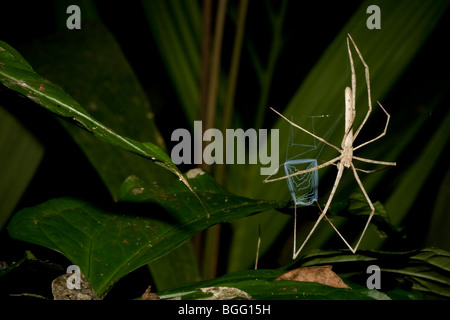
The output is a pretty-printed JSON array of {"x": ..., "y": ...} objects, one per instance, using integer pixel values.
[{"x": 318, "y": 274}]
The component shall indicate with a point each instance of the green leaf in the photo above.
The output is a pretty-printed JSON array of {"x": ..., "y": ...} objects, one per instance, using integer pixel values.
[
  {"x": 434, "y": 256},
  {"x": 358, "y": 206},
  {"x": 19, "y": 76},
  {"x": 107, "y": 246},
  {"x": 91, "y": 66},
  {"x": 427, "y": 269},
  {"x": 430, "y": 286},
  {"x": 411, "y": 183},
  {"x": 260, "y": 285},
  {"x": 176, "y": 268},
  {"x": 219, "y": 203}
]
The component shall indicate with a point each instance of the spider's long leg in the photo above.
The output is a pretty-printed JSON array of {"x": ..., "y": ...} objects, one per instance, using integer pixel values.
[
  {"x": 304, "y": 130},
  {"x": 274, "y": 172},
  {"x": 295, "y": 232},
  {"x": 337, "y": 231},
  {"x": 385, "y": 163},
  {"x": 294, "y": 255},
  {"x": 372, "y": 208},
  {"x": 324, "y": 212},
  {"x": 382, "y": 134},
  {"x": 368, "y": 171},
  {"x": 367, "y": 74},
  {"x": 267, "y": 180},
  {"x": 352, "y": 66}
]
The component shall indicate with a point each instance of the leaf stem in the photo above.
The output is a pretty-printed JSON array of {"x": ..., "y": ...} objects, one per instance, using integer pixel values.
[
  {"x": 211, "y": 103},
  {"x": 220, "y": 172},
  {"x": 212, "y": 236}
]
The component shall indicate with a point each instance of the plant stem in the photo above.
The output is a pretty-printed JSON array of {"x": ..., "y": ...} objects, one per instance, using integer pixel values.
[
  {"x": 211, "y": 103},
  {"x": 211, "y": 252},
  {"x": 212, "y": 236},
  {"x": 198, "y": 239},
  {"x": 235, "y": 62},
  {"x": 206, "y": 55},
  {"x": 220, "y": 172}
]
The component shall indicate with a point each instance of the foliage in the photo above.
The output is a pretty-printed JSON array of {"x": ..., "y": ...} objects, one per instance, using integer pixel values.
[
  {"x": 108, "y": 245},
  {"x": 101, "y": 81}
]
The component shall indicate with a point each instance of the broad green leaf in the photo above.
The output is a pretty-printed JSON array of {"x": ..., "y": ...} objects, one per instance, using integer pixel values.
[
  {"x": 18, "y": 75},
  {"x": 107, "y": 246},
  {"x": 441, "y": 219},
  {"x": 219, "y": 203},
  {"x": 176, "y": 268},
  {"x": 20, "y": 155},
  {"x": 91, "y": 66},
  {"x": 388, "y": 52}
]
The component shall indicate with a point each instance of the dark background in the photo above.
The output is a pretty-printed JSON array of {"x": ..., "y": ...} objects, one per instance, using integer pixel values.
[{"x": 315, "y": 27}]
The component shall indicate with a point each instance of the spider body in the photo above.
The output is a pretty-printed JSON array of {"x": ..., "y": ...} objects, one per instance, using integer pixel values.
[{"x": 347, "y": 142}]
